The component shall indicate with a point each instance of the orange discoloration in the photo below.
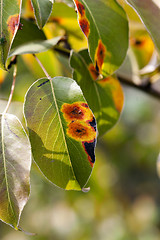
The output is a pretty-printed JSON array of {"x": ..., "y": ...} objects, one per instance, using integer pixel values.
[
  {"x": 81, "y": 131},
  {"x": 93, "y": 71},
  {"x": 85, "y": 26},
  {"x": 137, "y": 42},
  {"x": 81, "y": 126},
  {"x": 13, "y": 23},
  {"x": 76, "y": 111},
  {"x": 100, "y": 56},
  {"x": 83, "y": 20},
  {"x": 116, "y": 90},
  {"x": 80, "y": 8}
]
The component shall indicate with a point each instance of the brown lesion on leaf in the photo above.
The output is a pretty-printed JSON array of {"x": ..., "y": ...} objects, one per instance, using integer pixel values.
[
  {"x": 138, "y": 42},
  {"x": 85, "y": 26},
  {"x": 81, "y": 131},
  {"x": 80, "y": 8},
  {"x": 13, "y": 23},
  {"x": 83, "y": 20},
  {"x": 81, "y": 126},
  {"x": 100, "y": 56},
  {"x": 76, "y": 111},
  {"x": 94, "y": 73}
]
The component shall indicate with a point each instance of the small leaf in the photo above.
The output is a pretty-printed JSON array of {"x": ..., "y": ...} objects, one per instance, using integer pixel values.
[
  {"x": 42, "y": 11},
  {"x": 62, "y": 131},
  {"x": 15, "y": 163},
  {"x": 105, "y": 25},
  {"x": 149, "y": 12},
  {"x": 9, "y": 24},
  {"x": 105, "y": 97},
  {"x": 35, "y": 46}
]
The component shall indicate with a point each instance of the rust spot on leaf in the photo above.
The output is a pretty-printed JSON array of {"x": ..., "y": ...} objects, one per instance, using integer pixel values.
[
  {"x": 85, "y": 26},
  {"x": 137, "y": 42},
  {"x": 81, "y": 126},
  {"x": 81, "y": 131},
  {"x": 76, "y": 111},
  {"x": 80, "y": 8},
  {"x": 94, "y": 73},
  {"x": 13, "y": 23},
  {"x": 83, "y": 20},
  {"x": 100, "y": 56}
]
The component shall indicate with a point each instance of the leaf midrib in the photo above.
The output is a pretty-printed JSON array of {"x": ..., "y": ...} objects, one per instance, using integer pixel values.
[{"x": 56, "y": 105}]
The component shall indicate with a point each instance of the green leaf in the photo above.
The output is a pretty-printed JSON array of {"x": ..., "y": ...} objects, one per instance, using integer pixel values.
[
  {"x": 149, "y": 12},
  {"x": 105, "y": 25},
  {"x": 105, "y": 97},
  {"x": 42, "y": 11},
  {"x": 9, "y": 24},
  {"x": 27, "y": 34},
  {"x": 62, "y": 131},
  {"x": 15, "y": 163},
  {"x": 35, "y": 46}
]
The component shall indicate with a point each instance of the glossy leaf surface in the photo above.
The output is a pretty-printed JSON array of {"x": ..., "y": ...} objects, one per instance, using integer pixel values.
[
  {"x": 105, "y": 25},
  {"x": 42, "y": 11},
  {"x": 62, "y": 131},
  {"x": 35, "y": 46},
  {"x": 15, "y": 163},
  {"x": 149, "y": 11},
  {"x": 9, "y": 24},
  {"x": 105, "y": 97}
]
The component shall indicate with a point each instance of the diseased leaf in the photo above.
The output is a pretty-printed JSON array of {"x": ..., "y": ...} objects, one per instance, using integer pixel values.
[
  {"x": 105, "y": 25},
  {"x": 42, "y": 11},
  {"x": 27, "y": 34},
  {"x": 149, "y": 12},
  {"x": 35, "y": 46},
  {"x": 105, "y": 97},
  {"x": 15, "y": 163},
  {"x": 65, "y": 18},
  {"x": 62, "y": 131},
  {"x": 9, "y": 24}
]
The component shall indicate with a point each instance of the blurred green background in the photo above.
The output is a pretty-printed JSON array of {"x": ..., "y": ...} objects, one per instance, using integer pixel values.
[{"x": 124, "y": 200}]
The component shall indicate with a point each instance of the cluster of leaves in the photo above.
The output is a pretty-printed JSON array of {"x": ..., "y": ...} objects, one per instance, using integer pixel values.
[{"x": 61, "y": 127}]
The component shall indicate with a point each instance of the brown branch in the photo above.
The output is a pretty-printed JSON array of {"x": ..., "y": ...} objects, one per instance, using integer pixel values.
[{"x": 146, "y": 87}]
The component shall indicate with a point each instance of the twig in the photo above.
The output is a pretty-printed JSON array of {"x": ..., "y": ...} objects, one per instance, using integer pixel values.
[
  {"x": 12, "y": 88},
  {"x": 146, "y": 88},
  {"x": 43, "y": 68}
]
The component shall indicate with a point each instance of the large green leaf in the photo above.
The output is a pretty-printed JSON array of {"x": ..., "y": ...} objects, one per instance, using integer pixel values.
[
  {"x": 149, "y": 11},
  {"x": 62, "y": 131},
  {"x": 35, "y": 46},
  {"x": 42, "y": 11},
  {"x": 15, "y": 163},
  {"x": 9, "y": 23},
  {"x": 105, "y": 97},
  {"x": 105, "y": 25}
]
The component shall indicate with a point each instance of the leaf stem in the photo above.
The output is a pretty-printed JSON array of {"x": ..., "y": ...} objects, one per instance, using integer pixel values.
[
  {"x": 12, "y": 88},
  {"x": 43, "y": 68}
]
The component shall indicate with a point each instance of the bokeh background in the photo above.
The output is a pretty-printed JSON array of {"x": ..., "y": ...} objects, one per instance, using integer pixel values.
[{"x": 124, "y": 198}]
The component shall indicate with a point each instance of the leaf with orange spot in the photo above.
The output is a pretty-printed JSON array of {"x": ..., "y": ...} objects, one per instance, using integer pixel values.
[
  {"x": 65, "y": 17},
  {"x": 62, "y": 131},
  {"x": 9, "y": 23},
  {"x": 105, "y": 97},
  {"x": 105, "y": 25},
  {"x": 149, "y": 11},
  {"x": 42, "y": 11}
]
